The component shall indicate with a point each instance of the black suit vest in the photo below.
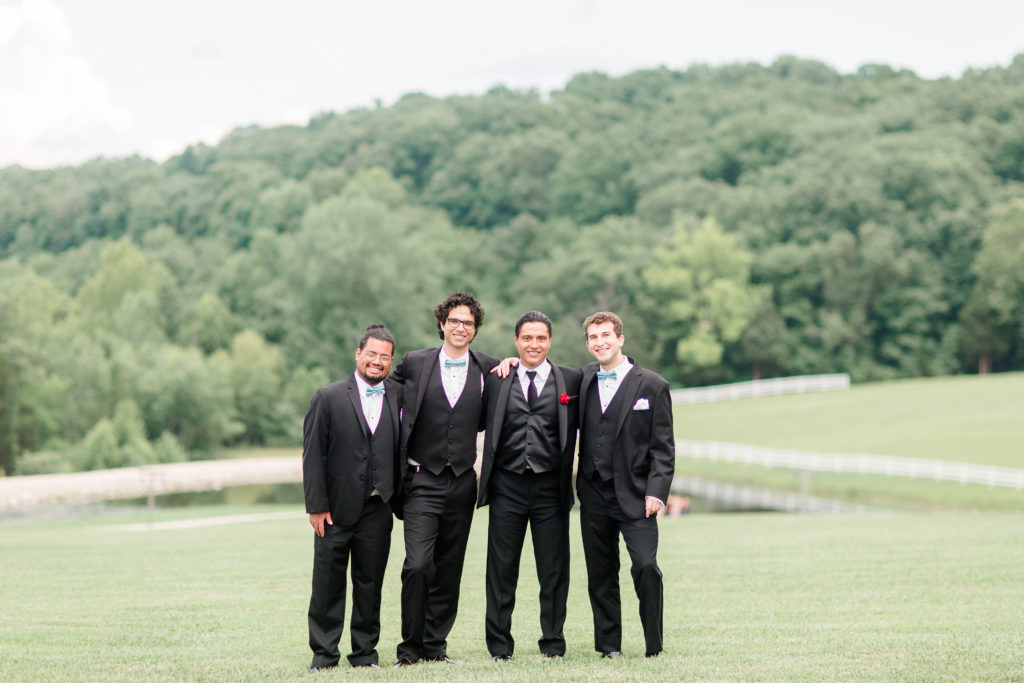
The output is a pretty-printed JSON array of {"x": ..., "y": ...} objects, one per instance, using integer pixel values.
[
  {"x": 380, "y": 465},
  {"x": 444, "y": 435},
  {"x": 530, "y": 437},
  {"x": 597, "y": 434}
]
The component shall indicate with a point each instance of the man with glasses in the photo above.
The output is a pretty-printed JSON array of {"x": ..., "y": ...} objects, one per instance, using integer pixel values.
[
  {"x": 349, "y": 466},
  {"x": 443, "y": 412}
]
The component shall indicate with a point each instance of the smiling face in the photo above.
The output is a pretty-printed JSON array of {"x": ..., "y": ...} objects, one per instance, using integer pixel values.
[
  {"x": 373, "y": 361},
  {"x": 459, "y": 330},
  {"x": 533, "y": 343},
  {"x": 605, "y": 345}
]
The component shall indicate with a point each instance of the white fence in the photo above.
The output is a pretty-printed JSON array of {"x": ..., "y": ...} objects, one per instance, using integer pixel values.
[
  {"x": 914, "y": 468},
  {"x": 800, "y": 384}
]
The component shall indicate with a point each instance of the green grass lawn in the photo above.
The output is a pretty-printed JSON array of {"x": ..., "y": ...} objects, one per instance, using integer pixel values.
[
  {"x": 769, "y": 597},
  {"x": 965, "y": 418}
]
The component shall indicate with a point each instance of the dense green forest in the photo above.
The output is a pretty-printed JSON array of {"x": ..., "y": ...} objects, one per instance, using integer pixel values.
[{"x": 745, "y": 220}]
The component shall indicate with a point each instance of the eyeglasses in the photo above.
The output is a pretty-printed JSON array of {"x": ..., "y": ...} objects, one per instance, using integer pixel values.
[
  {"x": 454, "y": 323},
  {"x": 373, "y": 355}
]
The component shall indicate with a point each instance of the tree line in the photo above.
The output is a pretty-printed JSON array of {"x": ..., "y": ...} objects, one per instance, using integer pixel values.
[{"x": 744, "y": 220}]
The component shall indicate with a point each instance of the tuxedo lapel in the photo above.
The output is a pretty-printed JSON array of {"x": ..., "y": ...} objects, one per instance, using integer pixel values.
[
  {"x": 563, "y": 410},
  {"x": 480, "y": 378},
  {"x": 357, "y": 405},
  {"x": 588, "y": 378},
  {"x": 429, "y": 363},
  {"x": 500, "y": 406},
  {"x": 630, "y": 388},
  {"x": 391, "y": 399}
]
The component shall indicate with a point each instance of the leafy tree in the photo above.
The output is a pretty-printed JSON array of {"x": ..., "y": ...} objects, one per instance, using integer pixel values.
[
  {"x": 256, "y": 372},
  {"x": 123, "y": 270},
  {"x": 32, "y": 397},
  {"x": 699, "y": 297},
  {"x": 211, "y": 326},
  {"x": 181, "y": 392},
  {"x": 994, "y": 317},
  {"x": 355, "y": 248}
]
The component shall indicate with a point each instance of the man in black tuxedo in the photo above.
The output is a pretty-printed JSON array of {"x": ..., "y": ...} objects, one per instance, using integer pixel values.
[
  {"x": 627, "y": 459},
  {"x": 443, "y": 412},
  {"x": 526, "y": 477},
  {"x": 349, "y": 468}
]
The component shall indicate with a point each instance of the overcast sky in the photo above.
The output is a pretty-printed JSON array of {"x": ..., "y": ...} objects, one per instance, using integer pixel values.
[{"x": 87, "y": 78}]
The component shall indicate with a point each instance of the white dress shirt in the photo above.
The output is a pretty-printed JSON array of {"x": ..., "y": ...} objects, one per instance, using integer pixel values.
[
  {"x": 453, "y": 378},
  {"x": 543, "y": 370},
  {"x": 607, "y": 387},
  {"x": 372, "y": 405}
]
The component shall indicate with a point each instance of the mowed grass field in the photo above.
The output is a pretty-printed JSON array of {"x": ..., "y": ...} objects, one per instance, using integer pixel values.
[
  {"x": 766, "y": 597},
  {"x": 964, "y": 419},
  {"x": 969, "y": 418}
]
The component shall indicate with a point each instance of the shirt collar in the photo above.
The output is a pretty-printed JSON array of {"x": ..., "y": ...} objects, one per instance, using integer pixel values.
[
  {"x": 621, "y": 369},
  {"x": 442, "y": 357},
  {"x": 362, "y": 384},
  {"x": 543, "y": 370}
]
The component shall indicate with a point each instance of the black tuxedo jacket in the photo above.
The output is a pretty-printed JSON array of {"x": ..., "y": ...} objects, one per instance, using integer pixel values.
[
  {"x": 496, "y": 392},
  {"x": 644, "y": 454},
  {"x": 335, "y": 448}
]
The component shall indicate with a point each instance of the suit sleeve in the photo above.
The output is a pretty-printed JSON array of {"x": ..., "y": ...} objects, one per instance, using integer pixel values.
[
  {"x": 315, "y": 433},
  {"x": 402, "y": 372},
  {"x": 487, "y": 364},
  {"x": 662, "y": 452}
]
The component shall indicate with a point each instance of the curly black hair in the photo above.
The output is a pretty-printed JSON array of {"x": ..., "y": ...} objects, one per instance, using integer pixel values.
[{"x": 454, "y": 300}]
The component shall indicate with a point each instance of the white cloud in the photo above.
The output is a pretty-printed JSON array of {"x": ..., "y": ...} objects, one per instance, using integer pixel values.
[{"x": 54, "y": 108}]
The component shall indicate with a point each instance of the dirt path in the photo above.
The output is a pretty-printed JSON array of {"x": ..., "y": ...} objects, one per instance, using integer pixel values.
[{"x": 140, "y": 482}]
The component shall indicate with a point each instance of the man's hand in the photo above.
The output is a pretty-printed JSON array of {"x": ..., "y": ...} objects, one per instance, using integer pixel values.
[
  {"x": 317, "y": 519},
  {"x": 653, "y": 505},
  {"x": 504, "y": 368}
]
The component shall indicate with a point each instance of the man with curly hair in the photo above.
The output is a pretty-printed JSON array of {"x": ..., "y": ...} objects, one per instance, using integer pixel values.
[{"x": 443, "y": 412}]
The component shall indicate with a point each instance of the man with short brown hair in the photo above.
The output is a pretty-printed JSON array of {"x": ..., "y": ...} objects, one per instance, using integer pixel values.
[{"x": 626, "y": 463}]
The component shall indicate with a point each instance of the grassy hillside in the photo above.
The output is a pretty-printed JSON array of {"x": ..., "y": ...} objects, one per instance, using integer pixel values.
[
  {"x": 966, "y": 418},
  {"x": 766, "y": 597}
]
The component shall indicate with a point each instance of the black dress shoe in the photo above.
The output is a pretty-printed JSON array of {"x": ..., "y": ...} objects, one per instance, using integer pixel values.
[
  {"x": 443, "y": 658},
  {"x": 371, "y": 665},
  {"x": 611, "y": 655},
  {"x": 552, "y": 655},
  {"x": 501, "y": 658}
]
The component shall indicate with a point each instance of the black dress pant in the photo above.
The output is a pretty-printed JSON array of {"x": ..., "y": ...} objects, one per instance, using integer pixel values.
[
  {"x": 438, "y": 512},
  {"x": 368, "y": 543},
  {"x": 516, "y": 499},
  {"x": 601, "y": 521}
]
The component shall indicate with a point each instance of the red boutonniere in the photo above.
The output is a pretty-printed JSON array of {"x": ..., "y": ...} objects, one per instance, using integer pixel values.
[{"x": 564, "y": 399}]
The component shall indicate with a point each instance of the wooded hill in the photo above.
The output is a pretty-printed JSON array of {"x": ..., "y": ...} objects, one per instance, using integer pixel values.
[{"x": 744, "y": 220}]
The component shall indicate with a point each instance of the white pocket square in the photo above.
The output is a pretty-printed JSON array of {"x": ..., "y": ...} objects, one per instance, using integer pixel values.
[{"x": 642, "y": 404}]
